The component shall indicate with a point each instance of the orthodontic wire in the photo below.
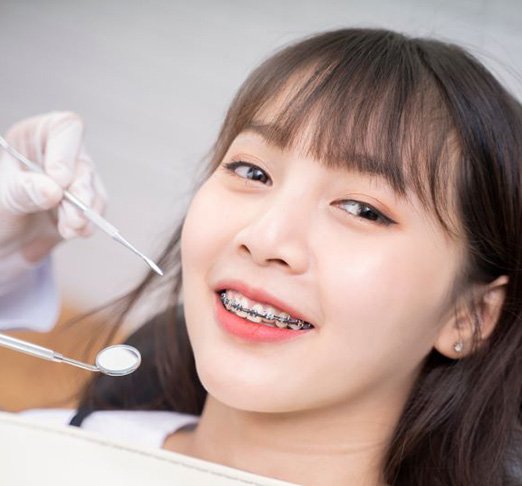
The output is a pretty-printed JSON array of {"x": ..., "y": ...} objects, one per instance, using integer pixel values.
[{"x": 272, "y": 317}]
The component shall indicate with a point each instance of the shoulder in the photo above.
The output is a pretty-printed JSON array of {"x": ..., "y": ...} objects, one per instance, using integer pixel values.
[{"x": 148, "y": 428}]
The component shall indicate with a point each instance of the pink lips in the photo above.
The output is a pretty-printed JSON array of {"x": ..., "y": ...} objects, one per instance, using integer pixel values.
[{"x": 252, "y": 331}]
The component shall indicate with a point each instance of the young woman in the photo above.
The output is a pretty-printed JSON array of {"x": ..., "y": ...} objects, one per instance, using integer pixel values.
[{"x": 351, "y": 276}]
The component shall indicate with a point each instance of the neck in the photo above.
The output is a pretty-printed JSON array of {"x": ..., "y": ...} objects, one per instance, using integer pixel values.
[{"x": 313, "y": 447}]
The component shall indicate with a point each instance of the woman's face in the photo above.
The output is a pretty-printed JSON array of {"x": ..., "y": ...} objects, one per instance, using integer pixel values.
[{"x": 276, "y": 231}]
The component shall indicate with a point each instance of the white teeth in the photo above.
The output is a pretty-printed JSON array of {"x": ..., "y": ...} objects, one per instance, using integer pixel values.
[
  {"x": 254, "y": 311},
  {"x": 252, "y": 317},
  {"x": 282, "y": 324},
  {"x": 259, "y": 309},
  {"x": 268, "y": 311},
  {"x": 243, "y": 302}
]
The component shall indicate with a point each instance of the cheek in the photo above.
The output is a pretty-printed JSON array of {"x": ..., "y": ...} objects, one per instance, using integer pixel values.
[
  {"x": 206, "y": 231},
  {"x": 200, "y": 224},
  {"x": 206, "y": 239},
  {"x": 386, "y": 298},
  {"x": 200, "y": 243}
]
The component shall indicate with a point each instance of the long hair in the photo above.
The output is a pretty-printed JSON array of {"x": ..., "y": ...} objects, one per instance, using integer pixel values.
[{"x": 428, "y": 117}]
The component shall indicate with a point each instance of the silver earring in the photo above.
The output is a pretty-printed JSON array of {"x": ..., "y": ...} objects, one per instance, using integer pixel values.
[{"x": 458, "y": 346}]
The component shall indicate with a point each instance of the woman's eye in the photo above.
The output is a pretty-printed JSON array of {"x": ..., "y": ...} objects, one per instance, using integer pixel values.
[
  {"x": 249, "y": 171},
  {"x": 364, "y": 211}
]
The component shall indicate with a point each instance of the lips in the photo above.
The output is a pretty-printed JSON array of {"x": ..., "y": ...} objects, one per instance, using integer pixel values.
[{"x": 262, "y": 297}]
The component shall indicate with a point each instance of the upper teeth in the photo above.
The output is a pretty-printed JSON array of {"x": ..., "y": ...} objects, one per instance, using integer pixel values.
[{"x": 256, "y": 312}]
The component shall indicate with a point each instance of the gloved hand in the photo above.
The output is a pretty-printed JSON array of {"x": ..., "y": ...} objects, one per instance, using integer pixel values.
[{"x": 33, "y": 217}]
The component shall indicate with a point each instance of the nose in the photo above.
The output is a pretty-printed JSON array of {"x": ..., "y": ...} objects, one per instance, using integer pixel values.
[{"x": 277, "y": 233}]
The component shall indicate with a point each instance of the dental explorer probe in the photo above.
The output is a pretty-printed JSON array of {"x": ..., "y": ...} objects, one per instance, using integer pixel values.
[
  {"x": 116, "y": 360},
  {"x": 91, "y": 215}
]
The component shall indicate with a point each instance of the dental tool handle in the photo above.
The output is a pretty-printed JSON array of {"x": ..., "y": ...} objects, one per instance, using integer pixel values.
[
  {"x": 91, "y": 215},
  {"x": 28, "y": 348},
  {"x": 20, "y": 157},
  {"x": 41, "y": 352},
  {"x": 108, "y": 228}
]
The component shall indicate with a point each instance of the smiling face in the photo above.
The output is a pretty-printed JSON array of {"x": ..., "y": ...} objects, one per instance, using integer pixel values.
[{"x": 371, "y": 270}]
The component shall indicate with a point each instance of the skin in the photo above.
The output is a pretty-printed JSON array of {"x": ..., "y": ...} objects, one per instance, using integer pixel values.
[{"x": 319, "y": 409}]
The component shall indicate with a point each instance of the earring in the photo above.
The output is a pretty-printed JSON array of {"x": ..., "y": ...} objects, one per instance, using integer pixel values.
[{"x": 458, "y": 346}]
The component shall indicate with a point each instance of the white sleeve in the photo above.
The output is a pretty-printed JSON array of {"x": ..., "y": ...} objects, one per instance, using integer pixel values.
[{"x": 31, "y": 300}]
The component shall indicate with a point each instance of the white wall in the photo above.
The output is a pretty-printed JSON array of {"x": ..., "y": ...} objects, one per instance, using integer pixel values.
[{"x": 153, "y": 80}]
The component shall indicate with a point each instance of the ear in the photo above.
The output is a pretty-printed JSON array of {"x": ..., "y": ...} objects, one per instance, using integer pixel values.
[{"x": 475, "y": 316}]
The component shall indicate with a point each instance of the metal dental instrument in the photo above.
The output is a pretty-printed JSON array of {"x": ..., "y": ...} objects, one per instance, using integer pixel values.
[
  {"x": 91, "y": 215},
  {"x": 116, "y": 360}
]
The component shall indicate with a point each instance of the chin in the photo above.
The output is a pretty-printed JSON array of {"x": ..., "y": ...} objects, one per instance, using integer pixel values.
[{"x": 242, "y": 391}]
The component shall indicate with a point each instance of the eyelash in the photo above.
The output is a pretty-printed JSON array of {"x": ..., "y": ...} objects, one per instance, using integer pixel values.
[
  {"x": 376, "y": 216},
  {"x": 234, "y": 165}
]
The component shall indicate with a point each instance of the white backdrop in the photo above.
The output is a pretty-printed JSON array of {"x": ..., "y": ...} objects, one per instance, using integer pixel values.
[{"x": 152, "y": 79}]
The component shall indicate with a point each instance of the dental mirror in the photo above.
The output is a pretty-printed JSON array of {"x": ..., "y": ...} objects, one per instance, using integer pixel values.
[
  {"x": 118, "y": 360},
  {"x": 115, "y": 360}
]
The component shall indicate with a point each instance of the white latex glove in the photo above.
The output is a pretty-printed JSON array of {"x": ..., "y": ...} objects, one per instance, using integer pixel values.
[{"x": 33, "y": 217}]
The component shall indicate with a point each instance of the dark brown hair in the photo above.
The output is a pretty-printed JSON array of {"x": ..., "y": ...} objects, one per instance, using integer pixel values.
[{"x": 427, "y": 116}]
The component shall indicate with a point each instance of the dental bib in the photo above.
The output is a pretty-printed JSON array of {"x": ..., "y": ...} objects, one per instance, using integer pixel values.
[{"x": 33, "y": 453}]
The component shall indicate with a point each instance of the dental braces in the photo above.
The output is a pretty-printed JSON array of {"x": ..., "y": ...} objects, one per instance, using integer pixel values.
[{"x": 265, "y": 315}]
